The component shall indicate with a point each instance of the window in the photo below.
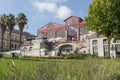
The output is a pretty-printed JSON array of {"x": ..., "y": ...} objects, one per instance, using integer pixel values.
[
  {"x": 117, "y": 41},
  {"x": 50, "y": 25},
  {"x": 105, "y": 49},
  {"x": 15, "y": 46},
  {"x": 60, "y": 33},
  {"x": 11, "y": 45},
  {"x": 41, "y": 34},
  {"x": 83, "y": 30},
  {"x": 105, "y": 41},
  {"x": 7, "y": 35},
  {"x": 95, "y": 50},
  {"x": 95, "y": 47},
  {"x": 50, "y": 34},
  {"x": 30, "y": 48},
  {"x": 94, "y": 42},
  {"x": 46, "y": 52},
  {"x": 72, "y": 22},
  {"x": 118, "y": 48},
  {"x": 72, "y": 30}
]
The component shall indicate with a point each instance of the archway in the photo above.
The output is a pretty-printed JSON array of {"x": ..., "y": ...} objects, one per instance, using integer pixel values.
[{"x": 65, "y": 49}]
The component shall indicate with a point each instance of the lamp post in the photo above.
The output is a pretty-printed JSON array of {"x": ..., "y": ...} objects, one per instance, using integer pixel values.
[{"x": 24, "y": 49}]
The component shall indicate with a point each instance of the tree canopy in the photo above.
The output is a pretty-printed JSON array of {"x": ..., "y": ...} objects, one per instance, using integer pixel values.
[{"x": 103, "y": 17}]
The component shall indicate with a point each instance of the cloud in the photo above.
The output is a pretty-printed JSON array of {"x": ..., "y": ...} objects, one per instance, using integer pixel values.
[
  {"x": 63, "y": 12},
  {"x": 51, "y": 1},
  {"x": 52, "y": 6},
  {"x": 45, "y": 6},
  {"x": 56, "y": 1}
]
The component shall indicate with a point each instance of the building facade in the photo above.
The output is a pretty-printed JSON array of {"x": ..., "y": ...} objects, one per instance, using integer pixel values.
[
  {"x": 54, "y": 39},
  {"x": 15, "y": 39},
  {"x": 63, "y": 39}
]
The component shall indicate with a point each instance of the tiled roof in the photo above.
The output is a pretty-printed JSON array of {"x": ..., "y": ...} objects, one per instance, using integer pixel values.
[
  {"x": 80, "y": 19},
  {"x": 56, "y": 25}
]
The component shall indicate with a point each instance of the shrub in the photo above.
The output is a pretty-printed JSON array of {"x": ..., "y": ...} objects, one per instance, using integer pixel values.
[
  {"x": 79, "y": 56},
  {"x": 1, "y": 55}
]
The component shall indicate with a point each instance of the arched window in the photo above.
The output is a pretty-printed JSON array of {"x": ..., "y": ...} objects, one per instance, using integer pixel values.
[
  {"x": 72, "y": 22},
  {"x": 41, "y": 34},
  {"x": 72, "y": 29},
  {"x": 50, "y": 25},
  {"x": 60, "y": 33},
  {"x": 83, "y": 30},
  {"x": 51, "y": 34}
]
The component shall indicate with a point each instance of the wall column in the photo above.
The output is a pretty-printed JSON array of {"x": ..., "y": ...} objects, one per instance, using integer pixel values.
[
  {"x": 78, "y": 36},
  {"x": 66, "y": 33}
]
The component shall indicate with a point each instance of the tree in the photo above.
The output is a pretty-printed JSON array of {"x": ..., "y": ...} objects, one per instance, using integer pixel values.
[
  {"x": 21, "y": 21},
  {"x": 103, "y": 18},
  {"x": 46, "y": 44},
  {"x": 10, "y": 24},
  {"x": 3, "y": 19}
]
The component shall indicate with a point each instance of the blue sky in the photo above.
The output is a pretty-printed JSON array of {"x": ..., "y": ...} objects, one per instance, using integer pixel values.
[{"x": 40, "y": 12}]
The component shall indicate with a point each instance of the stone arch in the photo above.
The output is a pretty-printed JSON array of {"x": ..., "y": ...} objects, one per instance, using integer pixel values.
[{"x": 64, "y": 48}]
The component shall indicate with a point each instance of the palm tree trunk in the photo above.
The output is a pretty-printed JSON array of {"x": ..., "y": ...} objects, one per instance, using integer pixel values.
[
  {"x": 2, "y": 41},
  {"x": 20, "y": 39},
  {"x": 10, "y": 40}
]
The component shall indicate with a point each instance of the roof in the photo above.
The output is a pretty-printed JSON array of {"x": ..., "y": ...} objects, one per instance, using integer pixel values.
[
  {"x": 16, "y": 31},
  {"x": 56, "y": 25},
  {"x": 80, "y": 19}
]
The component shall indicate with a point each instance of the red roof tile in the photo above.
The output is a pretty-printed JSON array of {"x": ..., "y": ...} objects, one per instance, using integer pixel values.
[{"x": 45, "y": 27}]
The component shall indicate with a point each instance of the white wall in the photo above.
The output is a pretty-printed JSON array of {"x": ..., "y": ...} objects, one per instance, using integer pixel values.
[{"x": 100, "y": 46}]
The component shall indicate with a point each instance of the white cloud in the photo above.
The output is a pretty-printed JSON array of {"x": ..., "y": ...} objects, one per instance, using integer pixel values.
[
  {"x": 63, "y": 12},
  {"x": 57, "y": 1},
  {"x": 51, "y": 6},
  {"x": 45, "y": 6},
  {"x": 51, "y": 1}
]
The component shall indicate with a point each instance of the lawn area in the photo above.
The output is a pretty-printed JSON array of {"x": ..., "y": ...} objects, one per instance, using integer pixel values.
[{"x": 59, "y": 69}]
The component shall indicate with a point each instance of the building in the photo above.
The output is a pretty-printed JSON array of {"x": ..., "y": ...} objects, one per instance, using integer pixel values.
[
  {"x": 99, "y": 46},
  {"x": 15, "y": 39},
  {"x": 54, "y": 39},
  {"x": 63, "y": 39}
]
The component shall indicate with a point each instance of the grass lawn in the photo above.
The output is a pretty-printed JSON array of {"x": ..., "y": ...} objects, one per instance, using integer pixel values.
[{"x": 59, "y": 69}]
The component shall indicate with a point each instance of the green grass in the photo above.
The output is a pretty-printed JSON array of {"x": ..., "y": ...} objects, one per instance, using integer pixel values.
[{"x": 59, "y": 69}]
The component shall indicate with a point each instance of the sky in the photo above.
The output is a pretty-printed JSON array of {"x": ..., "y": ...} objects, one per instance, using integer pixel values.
[{"x": 41, "y": 12}]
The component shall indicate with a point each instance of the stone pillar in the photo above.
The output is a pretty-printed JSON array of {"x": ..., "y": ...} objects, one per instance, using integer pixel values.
[
  {"x": 78, "y": 36},
  {"x": 66, "y": 33}
]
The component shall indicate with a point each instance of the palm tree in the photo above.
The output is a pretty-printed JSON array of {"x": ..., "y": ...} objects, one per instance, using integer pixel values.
[
  {"x": 21, "y": 21},
  {"x": 10, "y": 24},
  {"x": 3, "y": 27}
]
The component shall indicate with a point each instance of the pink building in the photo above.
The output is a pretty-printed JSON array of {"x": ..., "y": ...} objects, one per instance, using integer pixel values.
[{"x": 74, "y": 29}]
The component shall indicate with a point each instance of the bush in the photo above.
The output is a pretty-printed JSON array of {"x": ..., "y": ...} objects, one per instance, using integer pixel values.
[
  {"x": 79, "y": 56},
  {"x": 18, "y": 56},
  {"x": 1, "y": 55}
]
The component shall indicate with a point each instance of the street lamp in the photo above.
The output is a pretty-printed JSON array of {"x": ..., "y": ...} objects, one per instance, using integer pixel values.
[{"x": 24, "y": 49}]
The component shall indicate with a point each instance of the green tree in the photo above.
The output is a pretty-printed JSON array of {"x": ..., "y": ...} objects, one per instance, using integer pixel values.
[
  {"x": 10, "y": 24},
  {"x": 103, "y": 18},
  {"x": 3, "y": 19},
  {"x": 21, "y": 21}
]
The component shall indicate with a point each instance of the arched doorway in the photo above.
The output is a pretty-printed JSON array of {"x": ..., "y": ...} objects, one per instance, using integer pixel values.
[{"x": 65, "y": 49}]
